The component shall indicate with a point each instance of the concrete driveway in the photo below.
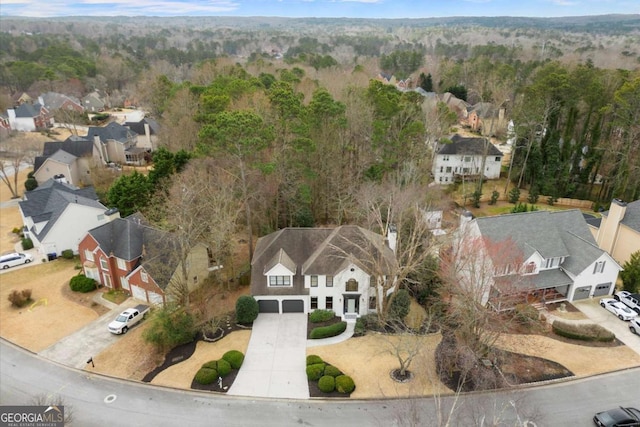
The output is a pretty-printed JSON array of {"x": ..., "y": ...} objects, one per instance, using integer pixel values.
[
  {"x": 591, "y": 308},
  {"x": 275, "y": 363},
  {"x": 74, "y": 350}
]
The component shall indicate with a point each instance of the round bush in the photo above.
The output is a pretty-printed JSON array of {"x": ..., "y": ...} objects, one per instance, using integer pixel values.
[
  {"x": 234, "y": 357},
  {"x": 206, "y": 376},
  {"x": 82, "y": 283},
  {"x": 212, "y": 364},
  {"x": 312, "y": 359},
  {"x": 332, "y": 371},
  {"x": 224, "y": 368},
  {"x": 327, "y": 384},
  {"x": 345, "y": 384},
  {"x": 246, "y": 309},
  {"x": 314, "y": 372},
  {"x": 27, "y": 243}
]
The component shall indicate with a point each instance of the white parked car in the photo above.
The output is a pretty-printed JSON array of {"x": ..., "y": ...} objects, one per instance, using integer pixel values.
[
  {"x": 16, "y": 258},
  {"x": 619, "y": 309},
  {"x": 634, "y": 325},
  {"x": 128, "y": 319}
]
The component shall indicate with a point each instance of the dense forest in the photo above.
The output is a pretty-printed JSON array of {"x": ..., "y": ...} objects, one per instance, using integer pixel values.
[{"x": 292, "y": 110}]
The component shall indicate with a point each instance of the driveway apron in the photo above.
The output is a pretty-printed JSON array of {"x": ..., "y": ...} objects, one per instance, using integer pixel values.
[{"x": 275, "y": 363}]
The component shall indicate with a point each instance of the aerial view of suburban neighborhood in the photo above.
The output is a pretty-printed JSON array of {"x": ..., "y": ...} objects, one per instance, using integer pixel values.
[{"x": 323, "y": 213}]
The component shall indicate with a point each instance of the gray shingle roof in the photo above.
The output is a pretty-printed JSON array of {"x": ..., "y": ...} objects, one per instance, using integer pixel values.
[
  {"x": 138, "y": 127},
  {"x": 49, "y": 201},
  {"x": 122, "y": 237},
  {"x": 314, "y": 251},
  {"x": 53, "y": 100},
  {"x": 76, "y": 145},
  {"x": 63, "y": 157},
  {"x": 468, "y": 146},
  {"x": 113, "y": 131},
  {"x": 552, "y": 234},
  {"x": 28, "y": 110}
]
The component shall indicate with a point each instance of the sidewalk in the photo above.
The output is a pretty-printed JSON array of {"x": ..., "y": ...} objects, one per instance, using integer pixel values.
[{"x": 348, "y": 333}]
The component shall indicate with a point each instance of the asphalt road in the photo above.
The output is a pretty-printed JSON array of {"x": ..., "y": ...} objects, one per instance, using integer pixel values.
[{"x": 101, "y": 401}]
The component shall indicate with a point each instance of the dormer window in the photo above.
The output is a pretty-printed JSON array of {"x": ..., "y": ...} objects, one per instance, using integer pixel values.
[
  {"x": 278, "y": 281},
  {"x": 530, "y": 268}
]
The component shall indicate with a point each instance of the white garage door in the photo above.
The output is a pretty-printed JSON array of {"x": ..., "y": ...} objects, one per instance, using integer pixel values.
[
  {"x": 138, "y": 293},
  {"x": 155, "y": 299}
]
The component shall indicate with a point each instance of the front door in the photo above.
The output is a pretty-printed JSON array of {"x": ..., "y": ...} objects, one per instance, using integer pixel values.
[{"x": 351, "y": 304}]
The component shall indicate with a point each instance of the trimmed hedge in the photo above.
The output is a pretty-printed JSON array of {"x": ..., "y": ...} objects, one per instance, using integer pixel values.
[
  {"x": 82, "y": 283},
  {"x": 345, "y": 384},
  {"x": 321, "y": 316},
  {"x": 582, "y": 332},
  {"x": 328, "y": 331},
  {"x": 212, "y": 364},
  {"x": 312, "y": 359},
  {"x": 234, "y": 357},
  {"x": 314, "y": 372},
  {"x": 206, "y": 376},
  {"x": 332, "y": 371},
  {"x": 327, "y": 384},
  {"x": 247, "y": 309},
  {"x": 67, "y": 254}
]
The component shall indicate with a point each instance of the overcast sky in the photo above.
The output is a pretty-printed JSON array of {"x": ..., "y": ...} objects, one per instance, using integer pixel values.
[{"x": 318, "y": 8}]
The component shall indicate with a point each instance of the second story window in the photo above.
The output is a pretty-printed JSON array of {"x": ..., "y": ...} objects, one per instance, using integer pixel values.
[
  {"x": 104, "y": 264},
  {"x": 598, "y": 267},
  {"x": 352, "y": 285},
  {"x": 121, "y": 264},
  {"x": 329, "y": 281},
  {"x": 88, "y": 255},
  {"x": 144, "y": 277},
  {"x": 279, "y": 280},
  {"x": 314, "y": 281}
]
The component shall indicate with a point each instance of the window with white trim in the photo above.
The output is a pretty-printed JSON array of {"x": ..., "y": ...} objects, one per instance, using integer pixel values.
[
  {"x": 88, "y": 255},
  {"x": 275, "y": 281},
  {"x": 314, "y": 303},
  {"x": 104, "y": 264},
  {"x": 144, "y": 276},
  {"x": 314, "y": 281},
  {"x": 598, "y": 267},
  {"x": 329, "y": 281},
  {"x": 121, "y": 264}
]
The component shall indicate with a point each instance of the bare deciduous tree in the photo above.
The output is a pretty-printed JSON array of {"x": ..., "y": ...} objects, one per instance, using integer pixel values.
[{"x": 15, "y": 152}]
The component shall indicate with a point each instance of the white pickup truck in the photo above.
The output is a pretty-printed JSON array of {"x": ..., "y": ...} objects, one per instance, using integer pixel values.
[
  {"x": 128, "y": 318},
  {"x": 630, "y": 300}
]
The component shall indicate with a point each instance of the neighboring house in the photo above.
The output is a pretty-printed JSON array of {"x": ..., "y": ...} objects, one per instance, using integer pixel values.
[
  {"x": 619, "y": 230},
  {"x": 54, "y": 101},
  {"x": 462, "y": 159},
  {"x": 304, "y": 269},
  {"x": 483, "y": 117},
  {"x": 147, "y": 130},
  {"x": 456, "y": 105},
  {"x": 72, "y": 158},
  {"x": 95, "y": 102},
  {"x": 29, "y": 117},
  {"x": 535, "y": 257},
  {"x": 126, "y": 253},
  {"x": 56, "y": 216},
  {"x": 118, "y": 144}
]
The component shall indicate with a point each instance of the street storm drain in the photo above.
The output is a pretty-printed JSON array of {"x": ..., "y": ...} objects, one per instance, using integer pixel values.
[{"x": 110, "y": 399}]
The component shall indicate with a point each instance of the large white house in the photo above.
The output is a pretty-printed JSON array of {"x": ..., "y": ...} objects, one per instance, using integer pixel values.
[
  {"x": 304, "y": 269},
  {"x": 539, "y": 256},
  {"x": 462, "y": 159},
  {"x": 56, "y": 216}
]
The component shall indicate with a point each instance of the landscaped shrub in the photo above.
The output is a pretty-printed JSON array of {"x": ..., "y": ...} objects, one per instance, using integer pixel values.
[
  {"x": 234, "y": 357},
  {"x": 312, "y": 359},
  {"x": 332, "y": 371},
  {"x": 30, "y": 184},
  {"x": 583, "y": 332},
  {"x": 525, "y": 314},
  {"x": 246, "y": 309},
  {"x": 314, "y": 372},
  {"x": 169, "y": 327},
  {"x": 327, "y": 384},
  {"x": 328, "y": 331},
  {"x": 211, "y": 364},
  {"x": 345, "y": 384},
  {"x": 206, "y": 376},
  {"x": 224, "y": 368},
  {"x": 20, "y": 298},
  {"x": 27, "y": 244},
  {"x": 67, "y": 254},
  {"x": 321, "y": 316},
  {"x": 399, "y": 307},
  {"x": 82, "y": 283},
  {"x": 360, "y": 329}
]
